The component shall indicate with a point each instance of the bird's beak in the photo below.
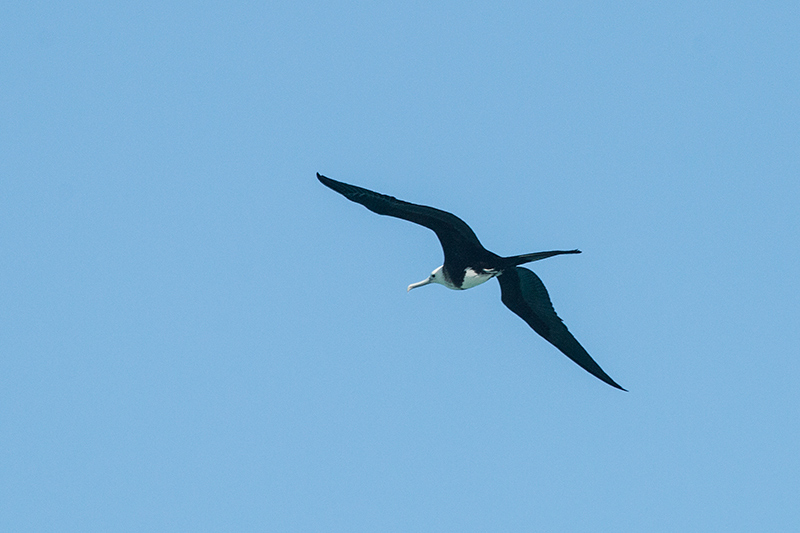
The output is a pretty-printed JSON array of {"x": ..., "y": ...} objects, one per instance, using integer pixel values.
[{"x": 420, "y": 284}]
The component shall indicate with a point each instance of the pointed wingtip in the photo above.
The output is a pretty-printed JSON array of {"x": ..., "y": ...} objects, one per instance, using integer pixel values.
[
  {"x": 608, "y": 379},
  {"x": 331, "y": 184},
  {"x": 605, "y": 378}
]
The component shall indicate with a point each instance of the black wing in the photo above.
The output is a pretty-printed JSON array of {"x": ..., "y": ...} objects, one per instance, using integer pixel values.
[
  {"x": 523, "y": 292},
  {"x": 457, "y": 239}
]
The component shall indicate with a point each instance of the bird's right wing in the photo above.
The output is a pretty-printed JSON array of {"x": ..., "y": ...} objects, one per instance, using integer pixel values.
[
  {"x": 455, "y": 236},
  {"x": 523, "y": 292}
]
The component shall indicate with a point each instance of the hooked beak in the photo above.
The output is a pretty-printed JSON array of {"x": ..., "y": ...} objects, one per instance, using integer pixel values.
[{"x": 420, "y": 284}]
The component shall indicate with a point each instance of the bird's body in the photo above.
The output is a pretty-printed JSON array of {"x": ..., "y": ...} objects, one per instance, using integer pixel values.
[{"x": 468, "y": 264}]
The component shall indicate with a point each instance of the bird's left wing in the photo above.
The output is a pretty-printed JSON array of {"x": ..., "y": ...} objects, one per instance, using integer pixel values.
[
  {"x": 455, "y": 236},
  {"x": 523, "y": 292}
]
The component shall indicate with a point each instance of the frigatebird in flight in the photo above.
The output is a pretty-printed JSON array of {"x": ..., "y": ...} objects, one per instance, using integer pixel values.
[{"x": 467, "y": 264}]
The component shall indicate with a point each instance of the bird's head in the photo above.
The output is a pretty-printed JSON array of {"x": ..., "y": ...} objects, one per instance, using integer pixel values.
[{"x": 437, "y": 276}]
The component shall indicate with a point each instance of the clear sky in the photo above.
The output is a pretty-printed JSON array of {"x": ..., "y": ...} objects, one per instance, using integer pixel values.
[{"x": 198, "y": 336}]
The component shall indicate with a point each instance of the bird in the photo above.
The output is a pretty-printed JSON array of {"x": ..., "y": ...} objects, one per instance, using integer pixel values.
[{"x": 467, "y": 264}]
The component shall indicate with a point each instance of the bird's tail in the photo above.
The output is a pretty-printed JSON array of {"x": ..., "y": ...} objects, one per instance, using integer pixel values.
[{"x": 516, "y": 260}]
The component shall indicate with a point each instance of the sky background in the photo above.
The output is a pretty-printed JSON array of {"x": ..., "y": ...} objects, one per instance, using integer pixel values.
[{"x": 198, "y": 336}]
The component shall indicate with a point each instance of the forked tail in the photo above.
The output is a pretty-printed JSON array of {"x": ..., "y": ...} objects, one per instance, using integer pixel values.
[{"x": 516, "y": 260}]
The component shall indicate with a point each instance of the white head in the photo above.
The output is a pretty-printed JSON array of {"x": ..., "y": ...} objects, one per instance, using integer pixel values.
[{"x": 437, "y": 276}]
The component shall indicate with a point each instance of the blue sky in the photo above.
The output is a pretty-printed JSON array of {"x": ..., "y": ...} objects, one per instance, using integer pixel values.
[{"x": 197, "y": 335}]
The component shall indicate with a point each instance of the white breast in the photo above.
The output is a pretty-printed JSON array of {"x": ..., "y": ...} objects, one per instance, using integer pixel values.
[{"x": 473, "y": 278}]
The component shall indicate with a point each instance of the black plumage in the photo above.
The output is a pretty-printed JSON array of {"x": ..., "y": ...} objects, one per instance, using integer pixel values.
[{"x": 467, "y": 263}]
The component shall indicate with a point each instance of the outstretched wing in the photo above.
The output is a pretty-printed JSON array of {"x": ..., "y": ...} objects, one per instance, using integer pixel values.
[
  {"x": 523, "y": 292},
  {"x": 457, "y": 239}
]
